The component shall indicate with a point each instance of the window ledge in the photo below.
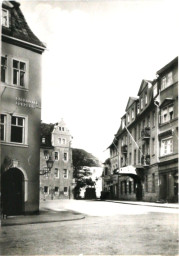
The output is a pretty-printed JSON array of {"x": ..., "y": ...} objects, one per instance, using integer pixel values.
[
  {"x": 168, "y": 87},
  {"x": 15, "y": 87},
  {"x": 168, "y": 122},
  {"x": 13, "y": 144}
]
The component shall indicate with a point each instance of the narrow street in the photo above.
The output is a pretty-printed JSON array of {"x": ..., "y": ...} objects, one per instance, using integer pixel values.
[{"x": 108, "y": 228}]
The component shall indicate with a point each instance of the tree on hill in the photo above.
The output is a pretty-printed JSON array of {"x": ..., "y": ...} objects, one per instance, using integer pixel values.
[{"x": 81, "y": 161}]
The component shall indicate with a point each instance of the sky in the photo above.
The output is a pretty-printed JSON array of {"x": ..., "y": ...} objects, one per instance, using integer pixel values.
[{"x": 97, "y": 54}]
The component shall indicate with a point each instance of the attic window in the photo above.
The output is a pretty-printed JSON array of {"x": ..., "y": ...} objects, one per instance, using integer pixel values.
[{"x": 5, "y": 18}]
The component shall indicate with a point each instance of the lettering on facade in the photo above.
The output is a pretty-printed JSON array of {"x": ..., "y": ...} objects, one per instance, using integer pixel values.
[{"x": 26, "y": 103}]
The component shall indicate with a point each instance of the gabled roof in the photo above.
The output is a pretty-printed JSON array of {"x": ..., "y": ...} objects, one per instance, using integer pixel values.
[
  {"x": 143, "y": 85},
  {"x": 18, "y": 27},
  {"x": 169, "y": 65},
  {"x": 131, "y": 100}
]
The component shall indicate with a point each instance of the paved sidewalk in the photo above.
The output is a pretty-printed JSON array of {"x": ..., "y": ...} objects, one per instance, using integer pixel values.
[
  {"x": 152, "y": 204},
  {"x": 44, "y": 216}
]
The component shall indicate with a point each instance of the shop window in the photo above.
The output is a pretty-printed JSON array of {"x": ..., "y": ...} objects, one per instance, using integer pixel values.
[
  {"x": 5, "y": 18},
  {"x": 17, "y": 129},
  {"x": 3, "y": 69},
  {"x": 19, "y": 72},
  {"x": 3, "y": 127}
]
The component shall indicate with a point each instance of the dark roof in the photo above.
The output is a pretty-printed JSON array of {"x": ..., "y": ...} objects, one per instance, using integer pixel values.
[
  {"x": 18, "y": 27},
  {"x": 46, "y": 132},
  {"x": 169, "y": 65}
]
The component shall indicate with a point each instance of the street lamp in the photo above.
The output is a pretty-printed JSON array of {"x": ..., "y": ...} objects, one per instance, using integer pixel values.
[{"x": 49, "y": 163}]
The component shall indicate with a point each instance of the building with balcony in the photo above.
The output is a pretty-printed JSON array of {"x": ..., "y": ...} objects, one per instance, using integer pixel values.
[
  {"x": 21, "y": 54},
  {"x": 56, "y": 143},
  {"x": 144, "y": 151}
]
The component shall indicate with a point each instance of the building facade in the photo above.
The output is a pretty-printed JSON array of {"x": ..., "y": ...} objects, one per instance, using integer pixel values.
[
  {"x": 56, "y": 142},
  {"x": 21, "y": 55},
  {"x": 144, "y": 151}
]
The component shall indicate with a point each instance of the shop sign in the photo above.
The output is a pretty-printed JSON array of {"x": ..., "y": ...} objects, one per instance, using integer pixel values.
[{"x": 26, "y": 103}]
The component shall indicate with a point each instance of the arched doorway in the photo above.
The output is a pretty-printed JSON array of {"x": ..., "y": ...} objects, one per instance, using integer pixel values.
[{"x": 13, "y": 192}]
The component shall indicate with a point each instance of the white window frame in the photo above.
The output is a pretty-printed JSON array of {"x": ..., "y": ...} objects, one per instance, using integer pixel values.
[
  {"x": 25, "y": 86},
  {"x": 56, "y": 176},
  {"x": 57, "y": 155},
  {"x": 20, "y": 126},
  {"x": 7, "y": 17},
  {"x": 65, "y": 173},
  {"x": 166, "y": 146},
  {"x": 4, "y": 126},
  {"x": 166, "y": 112},
  {"x": 4, "y": 67},
  {"x": 60, "y": 140}
]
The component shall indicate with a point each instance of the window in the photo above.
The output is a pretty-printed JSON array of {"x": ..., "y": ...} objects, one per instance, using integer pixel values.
[
  {"x": 130, "y": 158},
  {"x": 46, "y": 175},
  {"x": 3, "y": 69},
  {"x": 56, "y": 173},
  {"x": 64, "y": 141},
  {"x": 19, "y": 70},
  {"x": 128, "y": 118},
  {"x": 46, "y": 154},
  {"x": 164, "y": 82},
  {"x": 65, "y": 157},
  {"x": 56, "y": 156},
  {"x": 145, "y": 98},
  {"x": 153, "y": 182},
  {"x": 46, "y": 189},
  {"x": 166, "y": 146},
  {"x": 167, "y": 114},
  {"x": 3, "y": 127},
  {"x": 43, "y": 140},
  {"x": 139, "y": 159},
  {"x": 5, "y": 18},
  {"x": 132, "y": 113},
  {"x": 138, "y": 108},
  {"x": 65, "y": 174},
  {"x": 66, "y": 191},
  {"x": 63, "y": 129},
  {"x": 122, "y": 162},
  {"x": 56, "y": 190},
  {"x": 17, "y": 129},
  {"x": 130, "y": 187},
  {"x": 60, "y": 128},
  {"x": 141, "y": 103},
  {"x": 146, "y": 183},
  {"x": 59, "y": 140},
  {"x": 169, "y": 79},
  {"x": 155, "y": 90},
  {"x": 153, "y": 119},
  {"x": 123, "y": 123}
]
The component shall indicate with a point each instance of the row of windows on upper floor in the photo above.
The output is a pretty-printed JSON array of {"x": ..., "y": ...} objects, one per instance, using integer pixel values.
[
  {"x": 56, "y": 155},
  {"x": 61, "y": 141},
  {"x": 166, "y": 115},
  {"x": 166, "y": 81},
  {"x": 165, "y": 148},
  {"x": 56, "y": 173}
]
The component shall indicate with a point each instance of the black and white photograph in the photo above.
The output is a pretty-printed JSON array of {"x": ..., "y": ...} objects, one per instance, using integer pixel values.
[{"x": 89, "y": 127}]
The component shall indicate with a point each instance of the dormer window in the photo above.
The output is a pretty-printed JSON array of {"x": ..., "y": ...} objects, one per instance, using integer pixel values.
[{"x": 5, "y": 18}]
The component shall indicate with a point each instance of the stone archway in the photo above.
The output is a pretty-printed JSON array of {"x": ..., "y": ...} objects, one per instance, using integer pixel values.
[{"x": 13, "y": 191}]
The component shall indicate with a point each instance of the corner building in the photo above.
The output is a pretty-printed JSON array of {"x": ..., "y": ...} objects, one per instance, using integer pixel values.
[
  {"x": 56, "y": 143},
  {"x": 144, "y": 151},
  {"x": 21, "y": 55}
]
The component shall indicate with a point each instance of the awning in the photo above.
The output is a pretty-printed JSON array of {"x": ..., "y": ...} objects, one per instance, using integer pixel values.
[{"x": 128, "y": 170}]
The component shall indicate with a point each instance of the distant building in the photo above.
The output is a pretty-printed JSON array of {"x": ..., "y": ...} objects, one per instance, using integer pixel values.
[
  {"x": 56, "y": 142},
  {"x": 21, "y": 53},
  {"x": 144, "y": 151}
]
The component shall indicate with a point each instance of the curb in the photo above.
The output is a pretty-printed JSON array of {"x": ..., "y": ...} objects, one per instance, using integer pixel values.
[
  {"x": 39, "y": 222},
  {"x": 161, "y": 206}
]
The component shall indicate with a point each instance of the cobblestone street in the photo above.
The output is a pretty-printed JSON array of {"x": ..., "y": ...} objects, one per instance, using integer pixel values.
[{"x": 108, "y": 228}]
